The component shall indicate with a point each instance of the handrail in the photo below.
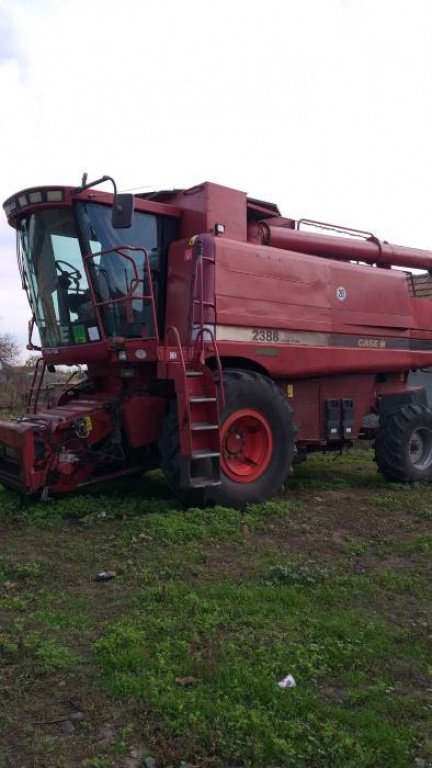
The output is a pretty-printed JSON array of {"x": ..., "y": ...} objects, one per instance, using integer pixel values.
[
  {"x": 131, "y": 295},
  {"x": 172, "y": 329},
  {"x": 200, "y": 334},
  {"x": 199, "y": 299},
  {"x": 35, "y": 387},
  {"x": 360, "y": 233},
  {"x": 199, "y": 353}
]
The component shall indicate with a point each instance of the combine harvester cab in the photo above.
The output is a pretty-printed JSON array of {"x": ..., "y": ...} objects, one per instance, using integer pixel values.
[{"x": 222, "y": 342}]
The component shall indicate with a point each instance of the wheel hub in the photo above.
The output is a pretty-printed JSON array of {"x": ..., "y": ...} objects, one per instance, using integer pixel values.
[
  {"x": 247, "y": 446},
  {"x": 420, "y": 448}
]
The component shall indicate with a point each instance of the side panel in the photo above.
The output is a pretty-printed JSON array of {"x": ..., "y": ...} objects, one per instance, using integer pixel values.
[
  {"x": 311, "y": 316},
  {"x": 305, "y": 292},
  {"x": 308, "y": 398},
  {"x": 142, "y": 417},
  {"x": 209, "y": 204},
  {"x": 304, "y": 398},
  {"x": 179, "y": 288},
  {"x": 191, "y": 285},
  {"x": 308, "y": 359}
]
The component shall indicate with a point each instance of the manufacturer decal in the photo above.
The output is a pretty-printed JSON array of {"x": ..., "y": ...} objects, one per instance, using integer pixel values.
[
  {"x": 280, "y": 336},
  {"x": 341, "y": 293},
  {"x": 372, "y": 343},
  {"x": 265, "y": 334}
]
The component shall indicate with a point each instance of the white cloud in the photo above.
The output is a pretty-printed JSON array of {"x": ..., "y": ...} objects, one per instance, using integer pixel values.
[{"x": 323, "y": 107}]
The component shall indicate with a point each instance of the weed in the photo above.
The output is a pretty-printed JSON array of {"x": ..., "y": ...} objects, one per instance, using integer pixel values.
[
  {"x": 49, "y": 654},
  {"x": 420, "y": 544},
  {"x": 15, "y": 571},
  {"x": 8, "y": 648},
  {"x": 303, "y": 574},
  {"x": 14, "y": 603},
  {"x": 209, "y": 610}
]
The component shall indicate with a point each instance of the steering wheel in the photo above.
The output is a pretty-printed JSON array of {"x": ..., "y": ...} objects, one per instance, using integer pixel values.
[{"x": 72, "y": 272}]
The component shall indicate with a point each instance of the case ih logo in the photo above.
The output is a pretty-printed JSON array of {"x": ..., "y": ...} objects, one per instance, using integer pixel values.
[
  {"x": 372, "y": 343},
  {"x": 341, "y": 293}
]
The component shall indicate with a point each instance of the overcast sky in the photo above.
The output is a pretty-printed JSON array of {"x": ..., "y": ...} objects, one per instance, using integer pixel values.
[{"x": 322, "y": 106}]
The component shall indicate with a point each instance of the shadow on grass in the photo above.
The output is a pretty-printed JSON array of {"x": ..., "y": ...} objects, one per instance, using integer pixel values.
[{"x": 332, "y": 471}]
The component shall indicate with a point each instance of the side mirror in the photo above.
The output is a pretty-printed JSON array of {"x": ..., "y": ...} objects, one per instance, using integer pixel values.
[{"x": 123, "y": 211}]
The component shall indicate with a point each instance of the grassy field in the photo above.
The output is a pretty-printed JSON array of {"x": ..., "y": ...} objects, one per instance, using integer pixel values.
[{"x": 177, "y": 658}]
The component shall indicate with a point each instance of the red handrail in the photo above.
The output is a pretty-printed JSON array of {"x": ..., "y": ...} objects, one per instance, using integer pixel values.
[
  {"x": 172, "y": 329},
  {"x": 200, "y": 335},
  {"x": 198, "y": 295},
  {"x": 35, "y": 387},
  {"x": 131, "y": 296}
]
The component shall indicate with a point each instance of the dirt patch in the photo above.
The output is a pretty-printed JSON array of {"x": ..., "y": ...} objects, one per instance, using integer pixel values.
[{"x": 347, "y": 531}]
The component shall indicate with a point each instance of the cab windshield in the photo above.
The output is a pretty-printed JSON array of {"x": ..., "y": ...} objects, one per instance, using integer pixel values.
[{"x": 52, "y": 243}]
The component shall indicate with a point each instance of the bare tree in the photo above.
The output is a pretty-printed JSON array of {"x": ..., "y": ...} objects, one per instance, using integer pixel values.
[
  {"x": 31, "y": 361},
  {"x": 9, "y": 350}
]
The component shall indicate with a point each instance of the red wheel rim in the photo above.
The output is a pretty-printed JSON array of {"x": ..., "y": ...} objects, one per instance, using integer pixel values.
[{"x": 247, "y": 446}]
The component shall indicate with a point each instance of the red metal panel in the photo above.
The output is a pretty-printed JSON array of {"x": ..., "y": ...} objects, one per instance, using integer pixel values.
[
  {"x": 142, "y": 416},
  {"x": 309, "y": 396},
  {"x": 374, "y": 297},
  {"x": 361, "y": 389},
  {"x": 84, "y": 353},
  {"x": 263, "y": 286},
  {"x": 208, "y": 204},
  {"x": 421, "y": 310},
  {"x": 305, "y": 361},
  {"x": 179, "y": 288},
  {"x": 305, "y": 401},
  {"x": 231, "y": 309}
]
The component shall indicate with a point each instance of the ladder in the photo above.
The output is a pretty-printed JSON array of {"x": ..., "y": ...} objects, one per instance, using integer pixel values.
[
  {"x": 199, "y": 390},
  {"x": 201, "y": 467},
  {"x": 199, "y": 402},
  {"x": 36, "y": 384}
]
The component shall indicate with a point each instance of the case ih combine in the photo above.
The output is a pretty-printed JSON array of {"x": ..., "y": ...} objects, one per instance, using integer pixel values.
[{"x": 222, "y": 342}]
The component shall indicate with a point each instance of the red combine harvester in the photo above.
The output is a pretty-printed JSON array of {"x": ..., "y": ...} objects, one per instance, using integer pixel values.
[{"x": 222, "y": 341}]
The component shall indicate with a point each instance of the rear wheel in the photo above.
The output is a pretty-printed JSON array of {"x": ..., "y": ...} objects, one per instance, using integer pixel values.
[
  {"x": 403, "y": 445},
  {"x": 257, "y": 444}
]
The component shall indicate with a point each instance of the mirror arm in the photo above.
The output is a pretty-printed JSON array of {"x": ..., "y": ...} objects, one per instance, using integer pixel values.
[
  {"x": 118, "y": 206},
  {"x": 30, "y": 346},
  {"x": 86, "y": 185}
]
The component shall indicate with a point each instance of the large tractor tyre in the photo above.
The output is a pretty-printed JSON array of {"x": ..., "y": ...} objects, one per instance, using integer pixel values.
[
  {"x": 403, "y": 444},
  {"x": 257, "y": 444}
]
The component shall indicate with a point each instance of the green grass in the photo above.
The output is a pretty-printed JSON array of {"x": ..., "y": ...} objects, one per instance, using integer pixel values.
[
  {"x": 237, "y": 643},
  {"x": 180, "y": 654}
]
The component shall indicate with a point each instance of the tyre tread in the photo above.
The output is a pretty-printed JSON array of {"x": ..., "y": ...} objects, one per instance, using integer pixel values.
[
  {"x": 391, "y": 443},
  {"x": 238, "y": 385}
]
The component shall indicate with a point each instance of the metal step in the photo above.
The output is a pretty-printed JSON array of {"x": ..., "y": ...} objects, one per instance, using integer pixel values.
[
  {"x": 199, "y": 399},
  {"x": 204, "y": 454},
  {"x": 203, "y": 482},
  {"x": 201, "y": 426},
  {"x": 194, "y": 373}
]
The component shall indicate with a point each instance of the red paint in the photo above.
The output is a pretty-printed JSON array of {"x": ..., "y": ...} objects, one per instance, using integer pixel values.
[
  {"x": 282, "y": 301},
  {"x": 370, "y": 250},
  {"x": 247, "y": 446}
]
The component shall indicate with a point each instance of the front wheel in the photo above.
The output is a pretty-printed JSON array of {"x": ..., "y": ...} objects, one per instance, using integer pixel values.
[
  {"x": 403, "y": 445},
  {"x": 257, "y": 444}
]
